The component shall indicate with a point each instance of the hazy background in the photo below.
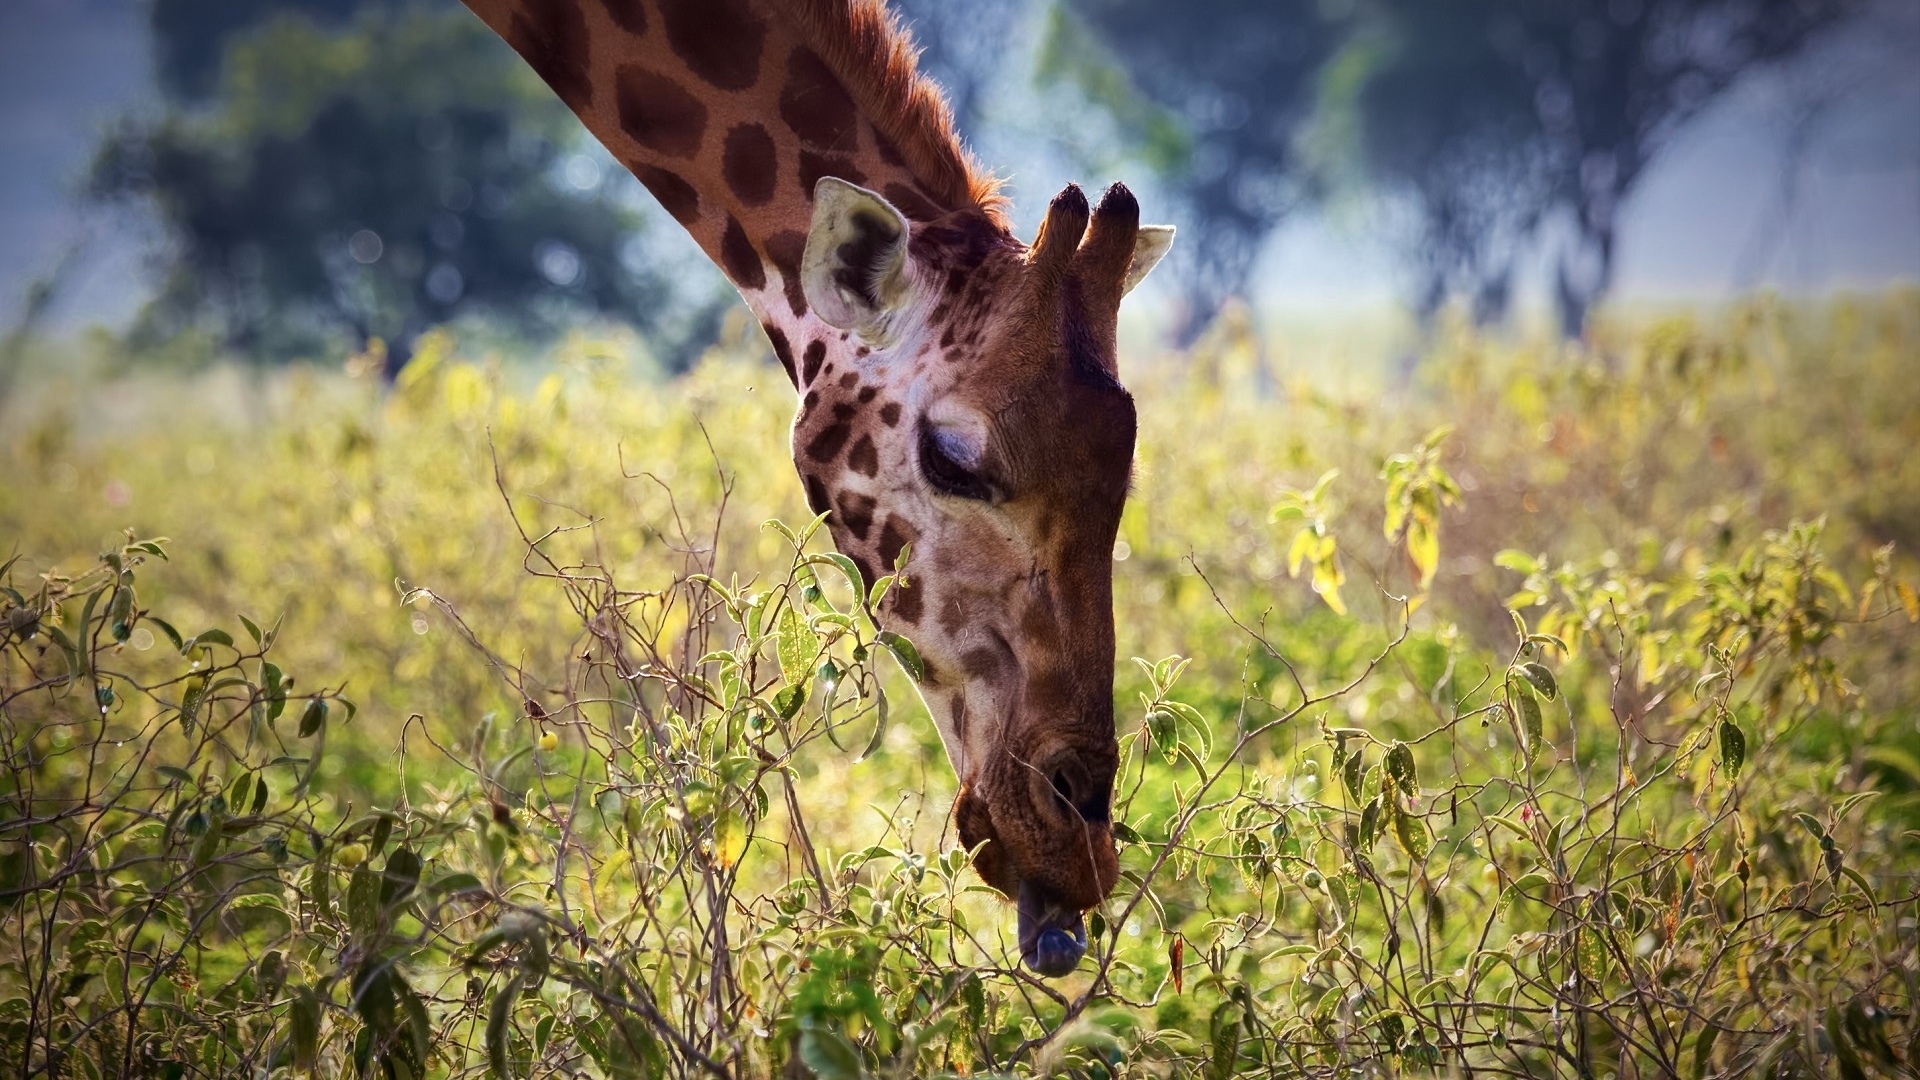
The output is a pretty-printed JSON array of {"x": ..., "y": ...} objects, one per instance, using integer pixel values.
[{"x": 1803, "y": 175}]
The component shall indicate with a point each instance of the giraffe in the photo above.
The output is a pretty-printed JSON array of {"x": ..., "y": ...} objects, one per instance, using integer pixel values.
[{"x": 958, "y": 389}]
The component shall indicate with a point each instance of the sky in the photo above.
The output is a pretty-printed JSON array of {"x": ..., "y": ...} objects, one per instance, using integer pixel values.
[{"x": 1708, "y": 222}]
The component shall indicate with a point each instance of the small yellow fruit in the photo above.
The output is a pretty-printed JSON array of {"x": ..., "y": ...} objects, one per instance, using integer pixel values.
[
  {"x": 351, "y": 855},
  {"x": 1490, "y": 872},
  {"x": 549, "y": 742}
]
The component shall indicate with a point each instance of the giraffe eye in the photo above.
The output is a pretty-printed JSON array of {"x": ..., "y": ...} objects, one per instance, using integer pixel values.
[{"x": 940, "y": 465}]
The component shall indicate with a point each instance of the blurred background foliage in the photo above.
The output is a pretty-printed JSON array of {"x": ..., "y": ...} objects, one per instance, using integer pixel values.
[{"x": 324, "y": 173}]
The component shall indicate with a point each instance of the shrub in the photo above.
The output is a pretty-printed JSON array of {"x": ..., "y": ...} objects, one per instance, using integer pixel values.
[{"x": 1657, "y": 819}]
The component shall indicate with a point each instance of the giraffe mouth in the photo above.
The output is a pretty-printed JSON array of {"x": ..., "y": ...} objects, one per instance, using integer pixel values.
[{"x": 1052, "y": 938}]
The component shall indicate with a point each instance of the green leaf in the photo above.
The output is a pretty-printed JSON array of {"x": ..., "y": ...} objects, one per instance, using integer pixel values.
[
  {"x": 174, "y": 772},
  {"x": 841, "y": 563},
  {"x": 729, "y": 839},
  {"x": 798, "y": 646},
  {"x": 1542, "y": 679},
  {"x": 788, "y": 699},
  {"x": 1592, "y": 954},
  {"x": 1549, "y": 639},
  {"x": 1350, "y": 773},
  {"x": 363, "y": 901},
  {"x": 320, "y": 887},
  {"x": 1733, "y": 747},
  {"x": 401, "y": 876},
  {"x": 313, "y": 717},
  {"x": 1400, "y": 766},
  {"x": 303, "y": 1023},
  {"x": 541, "y": 1032},
  {"x": 1532, "y": 725},
  {"x": 497, "y": 1020},
  {"x": 1866, "y": 890},
  {"x": 1516, "y": 560},
  {"x": 1370, "y": 823},
  {"x": 879, "y": 591},
  {"x": 1527, "y": 886},
  {"x": 904, "y": 651},
  {"x": 419, "y": 1024},
  {"x": 455, "y": 884},
  {"x": 879, "y": 725},
  {"x": 166, "y": 628},
  {"x": 1703, "y": 1045},
  {"x": 830, "y": 1056},
  {"x": 1413, "y": 836}
]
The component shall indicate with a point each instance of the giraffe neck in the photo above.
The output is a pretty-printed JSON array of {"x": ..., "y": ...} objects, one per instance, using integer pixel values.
[{"x": 729, "y": 112}]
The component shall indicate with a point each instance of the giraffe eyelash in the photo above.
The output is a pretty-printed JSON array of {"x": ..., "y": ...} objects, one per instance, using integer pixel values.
[{"x": 948, "y": 476}]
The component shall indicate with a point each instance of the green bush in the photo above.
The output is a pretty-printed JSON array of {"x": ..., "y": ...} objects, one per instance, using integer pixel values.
[{"x": 636, "y": 787}]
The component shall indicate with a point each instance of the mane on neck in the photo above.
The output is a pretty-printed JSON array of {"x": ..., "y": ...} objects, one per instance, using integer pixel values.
[{"x": 864, "y": 44}]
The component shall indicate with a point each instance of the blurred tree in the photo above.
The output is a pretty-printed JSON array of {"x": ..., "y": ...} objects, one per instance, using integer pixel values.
[
  {"x": 1213, "y": 93},
  {"x": 190, "y": 37},
  {"x": 377, "y": 180},
  {"x": 1503, "y": 117},
  {"x": 963, "y": 47}
]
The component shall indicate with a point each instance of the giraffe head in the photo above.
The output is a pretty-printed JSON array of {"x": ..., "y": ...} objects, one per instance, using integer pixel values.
[{"x": 973, "y": 409}]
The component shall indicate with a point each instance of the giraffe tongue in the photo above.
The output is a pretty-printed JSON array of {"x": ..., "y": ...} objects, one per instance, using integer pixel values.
[{"x": 1052, "y": 940}]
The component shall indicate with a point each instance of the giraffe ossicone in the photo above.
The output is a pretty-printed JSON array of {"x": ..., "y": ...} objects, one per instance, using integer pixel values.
[{"x": 959, "y": 389}]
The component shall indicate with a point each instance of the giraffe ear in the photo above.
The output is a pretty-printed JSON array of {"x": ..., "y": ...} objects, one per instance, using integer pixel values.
[
  {"x": 854, "y": 269},
  {"x": 1150, "y": 245}
]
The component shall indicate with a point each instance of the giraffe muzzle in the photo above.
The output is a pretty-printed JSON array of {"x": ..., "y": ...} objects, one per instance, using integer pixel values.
[{"x": 1052, "y": 938}]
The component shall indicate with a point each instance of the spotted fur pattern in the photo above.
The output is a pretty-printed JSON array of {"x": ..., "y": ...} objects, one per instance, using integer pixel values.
[{"x": 730, "y": 111}]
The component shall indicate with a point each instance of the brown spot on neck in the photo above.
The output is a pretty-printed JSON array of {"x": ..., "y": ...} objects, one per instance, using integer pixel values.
[
  {"x": 658, "y": 113},
  {"x": 864, "y": 458},
  {"x": 553, "y": 39},
  {"x": 827, "y": 445},
  {"x": 895, "y": 535},
  {"x": 816, "y": 105},
  {"x": 783, "y": 352},
  {"x": 631, "y": 15},
  {"x": 816, "y": 494},
  {"x": 785, "y": 250},
  {"x": 814, "y": 166},
  {"x": 856, "y": 513},
  {"x": 810, "y": 362},
  {"x": 909, "y": 601},
  {"x": 738, "y": 258},
  {"x": 677, "y": 197},
  {"x": 750, "y": 164},
  {"x": 720, "y": 40}
]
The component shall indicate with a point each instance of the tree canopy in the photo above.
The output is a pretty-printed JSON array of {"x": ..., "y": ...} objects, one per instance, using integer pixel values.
[
  {"x": 1215, "y": 93},
  {"x": 1503, "y": 122},
  {"x": 1501, "y": 118},
  {"x": 375, "y": 179}
]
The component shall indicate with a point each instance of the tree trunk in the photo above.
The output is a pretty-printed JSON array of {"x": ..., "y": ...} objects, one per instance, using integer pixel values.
[
  {"x": 399, "y": 351},
  {"x": 1584, "y": 277}
]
